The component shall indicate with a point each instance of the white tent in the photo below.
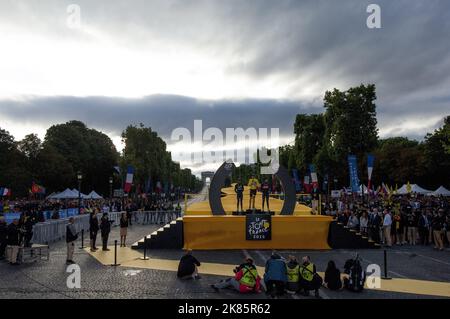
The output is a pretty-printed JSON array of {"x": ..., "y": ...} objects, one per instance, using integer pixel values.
[
  {"x": 414, "y": 189},
  {"x": 441, "y": 191},
  {"x": 67, "y": 194},
  {"x": 93, "y": 195}
]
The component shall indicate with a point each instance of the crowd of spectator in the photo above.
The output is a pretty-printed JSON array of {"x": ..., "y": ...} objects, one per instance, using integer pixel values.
[{"x": 396, "y": 220}]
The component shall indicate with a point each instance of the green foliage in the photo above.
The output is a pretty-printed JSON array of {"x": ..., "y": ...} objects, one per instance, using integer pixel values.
[{"x": 147, "y": 153}]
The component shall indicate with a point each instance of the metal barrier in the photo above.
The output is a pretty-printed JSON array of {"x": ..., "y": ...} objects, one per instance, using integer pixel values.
[
  {"x": 54, "y": 230},
  {"x": 154, "y": 217}
]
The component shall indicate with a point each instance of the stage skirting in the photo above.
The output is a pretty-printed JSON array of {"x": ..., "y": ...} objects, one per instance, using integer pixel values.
[{"x": 229, "y": 232}]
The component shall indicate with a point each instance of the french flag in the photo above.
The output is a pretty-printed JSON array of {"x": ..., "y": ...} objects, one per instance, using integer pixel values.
[
  {"x": 129, "y": 178},
  {"x": 5, "y": 191}
]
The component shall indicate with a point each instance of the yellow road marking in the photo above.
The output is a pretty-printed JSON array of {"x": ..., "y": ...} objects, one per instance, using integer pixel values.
[{"x": 128, "y": 257}]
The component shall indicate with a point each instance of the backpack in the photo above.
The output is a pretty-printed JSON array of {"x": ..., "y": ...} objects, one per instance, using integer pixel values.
[{"x": 357, "y": 276}]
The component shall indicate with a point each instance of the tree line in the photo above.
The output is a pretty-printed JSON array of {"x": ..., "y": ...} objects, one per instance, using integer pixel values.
[
  {"x": 72, "y": 147},
  {"x": 348, "y": 125}
]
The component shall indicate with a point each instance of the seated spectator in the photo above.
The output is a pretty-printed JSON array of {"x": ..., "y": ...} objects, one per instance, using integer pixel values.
[
  {"x": 187, "y": 268},
  {"x": 246, "y": 279},
  {"x": 293, "y": 275},
  {"x": 355, "y": 275},
  {"x": 332, "y": 277},
  {"x": 275, "y": 275}
]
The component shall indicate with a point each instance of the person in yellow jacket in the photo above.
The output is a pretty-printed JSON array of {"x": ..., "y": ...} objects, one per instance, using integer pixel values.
[
  {"x": 253, "y": 184},
  {"x": 293, "y": 275},
  {"x": 245, "y": 280},
  {"x": 309, "y": 279}
]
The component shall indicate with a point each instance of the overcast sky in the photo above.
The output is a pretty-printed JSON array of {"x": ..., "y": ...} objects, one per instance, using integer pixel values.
[{"x": 250, "y": 63}]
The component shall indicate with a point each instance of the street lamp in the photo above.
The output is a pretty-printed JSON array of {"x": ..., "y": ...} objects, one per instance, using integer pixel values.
[
  {"x": 79, "y": 178},
  {"x": 110, "y": 187}
]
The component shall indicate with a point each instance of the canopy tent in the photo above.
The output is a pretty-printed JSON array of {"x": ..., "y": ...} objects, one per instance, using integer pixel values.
[
  {"x": 67, "y": 194},
  {"x": 414, "y": 189},
  {"x": 441, "y": 191},
  {"x": 93, "y": 195}
]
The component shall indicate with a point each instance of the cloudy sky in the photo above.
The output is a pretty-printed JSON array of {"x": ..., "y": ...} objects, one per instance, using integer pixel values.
[{"x": 233, "y": 63}]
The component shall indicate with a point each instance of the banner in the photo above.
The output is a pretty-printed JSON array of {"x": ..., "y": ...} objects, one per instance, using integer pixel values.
[
  {"x": 37, "y": 189},
  {"x": 314, "y": 180},
  {"x": 258, "y": 227},
  {"x": 306, "y": 184},
  {"x": 370, "y": 163},
  {"x": 353, "y": 172},
  {"x": 129, "y": 178},
  {"x": 298, "y": 185}
]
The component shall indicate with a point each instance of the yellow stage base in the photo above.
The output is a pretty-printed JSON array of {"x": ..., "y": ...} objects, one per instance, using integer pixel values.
[{"x": 228, "y": 232}]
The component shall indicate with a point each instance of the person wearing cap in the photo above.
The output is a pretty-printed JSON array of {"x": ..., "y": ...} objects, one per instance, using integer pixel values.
[
  {"x": 246, "y": 279},
  {"x": 187, "y": 268}
]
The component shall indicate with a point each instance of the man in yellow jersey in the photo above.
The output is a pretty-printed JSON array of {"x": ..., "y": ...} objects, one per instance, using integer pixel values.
[{"x": 253, "y": 184}]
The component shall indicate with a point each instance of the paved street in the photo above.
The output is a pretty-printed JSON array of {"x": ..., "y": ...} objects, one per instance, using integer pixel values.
[{"x": 48, "y": 279}]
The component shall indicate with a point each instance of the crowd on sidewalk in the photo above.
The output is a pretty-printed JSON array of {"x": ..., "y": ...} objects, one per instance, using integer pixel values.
[{"x": 396, "y": 220}]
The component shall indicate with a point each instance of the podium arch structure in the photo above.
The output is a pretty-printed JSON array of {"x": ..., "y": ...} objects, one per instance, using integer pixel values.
[{"x": 225, "y": 169}]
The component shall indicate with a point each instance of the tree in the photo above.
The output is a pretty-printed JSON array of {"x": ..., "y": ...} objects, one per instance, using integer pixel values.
[
  {"x": 399, "y": 160},
  {"x": 147, "y": 153},
  {"x": 14, "y": 171},
  {"x": 350, "y": 126},
  {"x": 309, "y": 133},
  {"x": 86, "y": 150},
  {"x": 436, "y": 148},
  {"x": 30, "y": 146}
]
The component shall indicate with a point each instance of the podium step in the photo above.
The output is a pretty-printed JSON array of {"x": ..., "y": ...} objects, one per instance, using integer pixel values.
[{"x": 170, "y": 236}]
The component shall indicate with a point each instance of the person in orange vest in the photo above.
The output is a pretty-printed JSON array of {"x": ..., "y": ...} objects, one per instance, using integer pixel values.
[{"x": 245, "y": 280}]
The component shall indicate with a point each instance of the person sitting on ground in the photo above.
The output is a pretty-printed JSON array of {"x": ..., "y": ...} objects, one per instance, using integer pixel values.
[
  {"x": 332, "y": 279},
  {"x": 246, "y": 279},
  {"x": 293, "y": 275},
  {"x": 275, "y": 276},
  {"x": 355, "y": 275},
  {"x": 309, "y": 279},
  {"x": 187, "y": 268}
]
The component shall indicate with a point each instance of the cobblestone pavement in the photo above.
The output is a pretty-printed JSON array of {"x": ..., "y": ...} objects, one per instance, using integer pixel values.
[{"x": 47, "y": 279}]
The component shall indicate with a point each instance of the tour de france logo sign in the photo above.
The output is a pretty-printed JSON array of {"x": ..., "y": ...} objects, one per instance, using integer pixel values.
[{"x": 258, "y": 227}]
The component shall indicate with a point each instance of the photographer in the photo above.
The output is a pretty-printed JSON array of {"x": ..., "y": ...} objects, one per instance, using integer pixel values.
[{"x": 246, "y": 279}]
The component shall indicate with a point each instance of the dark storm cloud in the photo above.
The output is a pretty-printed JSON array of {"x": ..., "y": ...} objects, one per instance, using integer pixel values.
[
  {"x": 162, "y": 112},
  {"x": 308, "y": 46}
]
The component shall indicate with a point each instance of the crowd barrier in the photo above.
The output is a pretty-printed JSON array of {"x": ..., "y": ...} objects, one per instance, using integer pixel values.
[
  {"x": 54, "y": 230},
  {"x": 63, "y": 213}
]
